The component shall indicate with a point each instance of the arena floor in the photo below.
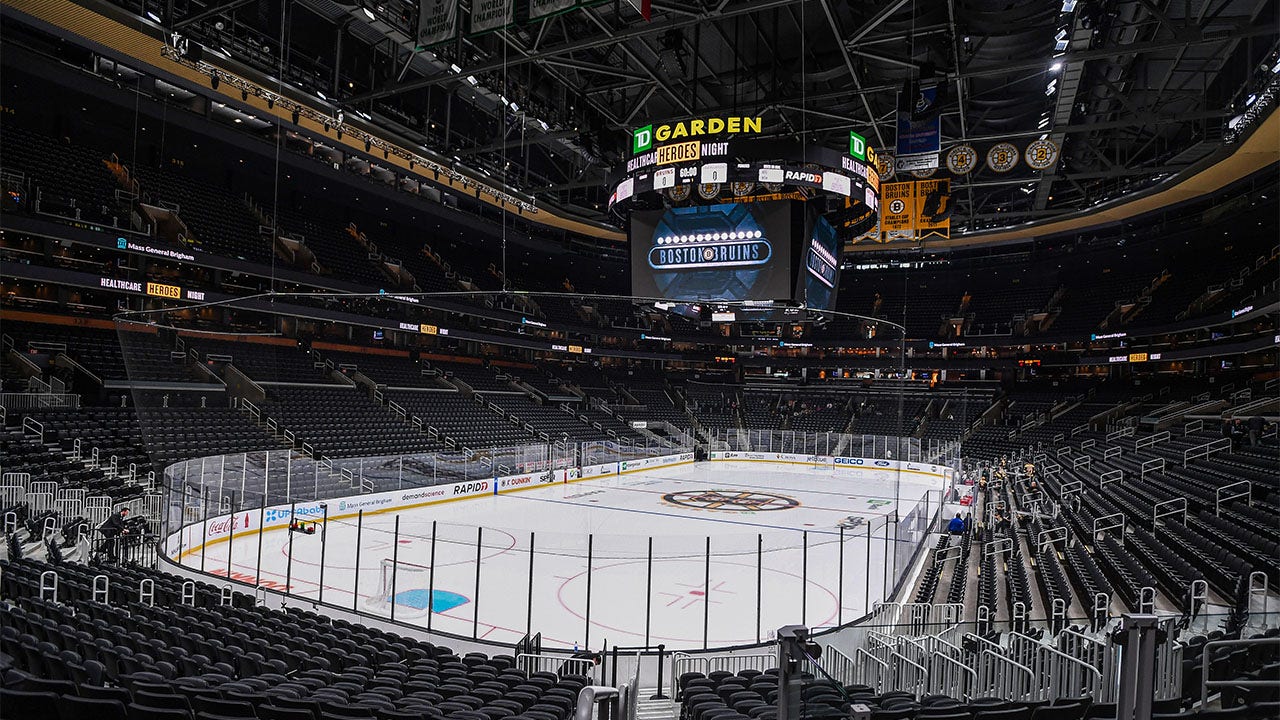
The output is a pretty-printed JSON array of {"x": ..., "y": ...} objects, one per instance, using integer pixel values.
[{"x": 788, "y": 544}]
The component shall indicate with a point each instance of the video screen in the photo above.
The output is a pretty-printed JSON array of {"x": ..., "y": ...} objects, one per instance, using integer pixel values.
[
  {"x": 730, "y": 252},
  {"x": 820, "y": 273}
]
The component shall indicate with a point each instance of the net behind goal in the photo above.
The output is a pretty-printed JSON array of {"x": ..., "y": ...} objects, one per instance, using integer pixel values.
[{"x": 411, "y": 584}]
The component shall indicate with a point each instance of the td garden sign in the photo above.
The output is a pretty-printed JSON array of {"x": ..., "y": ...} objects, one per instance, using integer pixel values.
[{"x": 642, "y": 139}]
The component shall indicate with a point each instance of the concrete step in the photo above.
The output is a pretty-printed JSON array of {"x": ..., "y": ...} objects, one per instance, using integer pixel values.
[{"x": 647, "y": 709}]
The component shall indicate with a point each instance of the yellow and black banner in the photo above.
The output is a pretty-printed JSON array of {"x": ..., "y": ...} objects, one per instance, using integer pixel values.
[
  {"x": 933, "y": 204},
  {"x": 915, "y": 210},
  {"x": 897, "y": 211}
]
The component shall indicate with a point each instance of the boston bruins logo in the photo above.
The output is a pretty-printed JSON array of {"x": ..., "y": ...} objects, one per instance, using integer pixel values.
[
  {"x": 731, "y": 500},
  {"x": 897, "y": 206}
]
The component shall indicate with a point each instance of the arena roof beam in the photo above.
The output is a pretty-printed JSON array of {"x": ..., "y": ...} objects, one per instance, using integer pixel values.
[
  {"x": 514, "y": 141},
  {"x": 595, "y": 68},
  {"x": 608, "y": 38},
  {"x": 210, "y": 12},
  {"x": 848, "y": 63}
]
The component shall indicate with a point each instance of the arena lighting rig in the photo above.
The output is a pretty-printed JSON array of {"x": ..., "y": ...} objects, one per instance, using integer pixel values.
[{"x": 718, "y": 214}]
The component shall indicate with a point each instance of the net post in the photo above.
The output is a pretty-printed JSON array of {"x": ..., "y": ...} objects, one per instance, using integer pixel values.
[
  {"x": 759, "y": 582},
  {"x": 431, "y": 577},
  {"x": 257, "y": 569},
  {"x": 648, "y": 591},
  {"x": 182, "y": 510},
  {"x": 884, "y": 587},
  {"x": 324, "y": 543},
  {"x": 355, "y": 586},
  {"x": 288, "y": 568},
  {"x": 475, "y": 603},
  {"x": 866, "y": 587},
  {"x": 204, "y": 526},
  {"x": 840, "y": 582},
  {"x": 586, "y": 643},
  {"x": 395, "y": 564},
  {"x": 231, "y": 535},
  {"x": 706, "y": 595},
  {"x": 804, "y": 575},
  {"x": 528, "y": 607}
]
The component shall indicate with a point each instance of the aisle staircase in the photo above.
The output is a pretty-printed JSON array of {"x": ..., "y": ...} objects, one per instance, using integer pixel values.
[{"x": 648, "y": 709}]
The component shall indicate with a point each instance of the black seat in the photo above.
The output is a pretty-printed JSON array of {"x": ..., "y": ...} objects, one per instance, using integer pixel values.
[
  {"x": 144, "y": 712},
  {"x": 1060, "y": 712},
  {"x": 19, "y": 704},
  {"x": 81, "y": 708}
]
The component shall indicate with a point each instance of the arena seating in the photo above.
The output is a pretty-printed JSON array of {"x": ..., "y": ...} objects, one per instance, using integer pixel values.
[
  {"x": 339, "y": 421},
  {"x": 66, "y": 179},
  {"x": 219, "y": 220},
  {"x": 80, "y": 657}
]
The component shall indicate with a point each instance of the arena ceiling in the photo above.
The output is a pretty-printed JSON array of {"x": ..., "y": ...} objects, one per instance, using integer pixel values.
[{"x": 1132, "y": 90}]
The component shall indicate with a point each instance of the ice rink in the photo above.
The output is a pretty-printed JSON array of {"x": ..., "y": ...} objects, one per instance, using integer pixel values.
[{"x": 703, "y": 554}]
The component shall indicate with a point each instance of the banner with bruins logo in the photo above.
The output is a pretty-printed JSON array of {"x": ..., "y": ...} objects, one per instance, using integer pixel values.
[
  {"x": 897, "y": 211},
  {"x": 915, "y": 210}
]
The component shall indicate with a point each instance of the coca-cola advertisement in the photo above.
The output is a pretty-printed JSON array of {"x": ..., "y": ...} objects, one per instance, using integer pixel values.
[{"x": 217, "y": 527}]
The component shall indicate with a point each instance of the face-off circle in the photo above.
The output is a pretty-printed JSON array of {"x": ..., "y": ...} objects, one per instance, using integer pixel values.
[{"x": 731, "y": 500}]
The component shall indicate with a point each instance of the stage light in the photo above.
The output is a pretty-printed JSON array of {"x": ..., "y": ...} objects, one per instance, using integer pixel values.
[
  {"x": 295, "y": 118},
  {"x": 244, "y": 95},
  {"x": 369, "y": 13},
  {"x": 213, "y": 81},
  {"x": 366, "y": 146}
]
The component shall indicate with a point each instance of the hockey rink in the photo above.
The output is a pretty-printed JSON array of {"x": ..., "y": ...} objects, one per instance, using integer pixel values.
[{"x": 707, "y": 554}]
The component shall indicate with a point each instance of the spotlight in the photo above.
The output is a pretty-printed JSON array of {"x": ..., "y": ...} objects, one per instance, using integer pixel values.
[
  {"x": 271, "y": 102},
  {"x": 339, "y": 133},
  {"x": 410, "y": 164},
  {"x": 366, "y": 146},
  {"x": 385, "y": 154},
  {"x": 244, "y": 95},
  {"x": 213, "y": 81},
  {"x": 295, "y": 118}
]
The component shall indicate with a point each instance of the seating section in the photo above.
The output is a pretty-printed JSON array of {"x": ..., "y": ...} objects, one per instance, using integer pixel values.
[
  {"x": 219, "y": 220},
  {"x": 339, "y": 421},
  {"x": 65, "y": 178},
  {"x": 78, "y": 658}
]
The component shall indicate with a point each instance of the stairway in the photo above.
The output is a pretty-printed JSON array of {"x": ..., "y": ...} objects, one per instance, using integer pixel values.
[{"x": 647, "y": 709}]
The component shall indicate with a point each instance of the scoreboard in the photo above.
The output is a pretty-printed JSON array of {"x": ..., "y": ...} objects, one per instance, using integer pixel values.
[{"x": 718, "y": 213}]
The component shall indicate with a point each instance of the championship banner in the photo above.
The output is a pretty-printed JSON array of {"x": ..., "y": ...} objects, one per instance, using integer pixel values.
[
  {"x": 488, "y": 15},
  {"x": 542, "y": 9},
  {"x": 933, "y": 208},
  {"x": 437, "y": 21},
  {"x": 897, "y": 211}
]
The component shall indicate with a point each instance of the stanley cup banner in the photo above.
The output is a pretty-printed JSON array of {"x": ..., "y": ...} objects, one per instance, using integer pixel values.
[
  {"x": 437, "y": 21},
  {"x": 897, "y": 211},
  {"x": 487, "y": 15},
  {"x": 542, "y": 9},
  {"x": 933, "y": 208}
]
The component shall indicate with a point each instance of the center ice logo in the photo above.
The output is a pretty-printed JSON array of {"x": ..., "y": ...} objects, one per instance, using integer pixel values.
[{"x": 731, "y": 500}]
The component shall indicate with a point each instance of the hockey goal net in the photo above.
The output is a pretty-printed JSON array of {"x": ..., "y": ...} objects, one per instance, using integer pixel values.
[{"x": 408, "y": 582}]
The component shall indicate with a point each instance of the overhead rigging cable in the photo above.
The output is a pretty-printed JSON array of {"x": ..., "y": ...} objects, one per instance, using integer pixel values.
[{"x": 281, "y": 51}]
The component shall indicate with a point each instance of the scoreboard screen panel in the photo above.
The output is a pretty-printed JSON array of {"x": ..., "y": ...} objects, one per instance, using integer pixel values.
[
  {"x": 729, "y": 252},
  {"x": 820, "y": 271}
]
